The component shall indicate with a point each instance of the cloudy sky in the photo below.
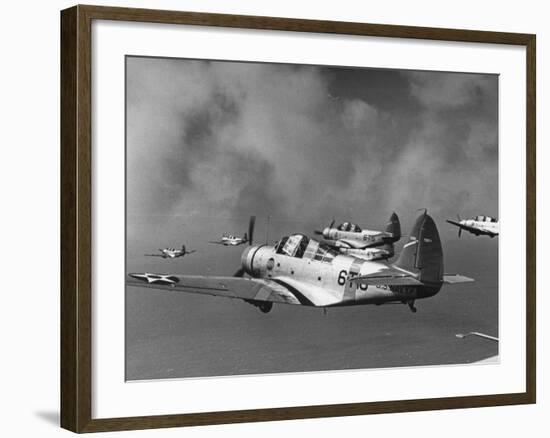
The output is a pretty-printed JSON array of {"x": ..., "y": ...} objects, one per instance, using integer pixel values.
[{"x": 306, "y": 143}]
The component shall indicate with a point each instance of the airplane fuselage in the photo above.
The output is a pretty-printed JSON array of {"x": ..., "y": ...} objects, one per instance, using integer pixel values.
[
  {"x": 357, "y": 240},
  {"x": 171, "y": 254},
  {"x": 479, "y": 226},
  {"x": 328, "y": 282},
  {"x": 231, "y": 241},
  {"x": 369, "y": 254},
  {"x": 483, "y": 227}
]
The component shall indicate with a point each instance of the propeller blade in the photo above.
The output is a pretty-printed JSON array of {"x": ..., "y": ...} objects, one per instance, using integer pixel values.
[
  {"x": 251, "y": 229},
  {"x": 320, "y": 233},
  {"x": 332, "y": 223},
  {"x": 459, "y": 232},
  {"x": 239, "y": 273}
]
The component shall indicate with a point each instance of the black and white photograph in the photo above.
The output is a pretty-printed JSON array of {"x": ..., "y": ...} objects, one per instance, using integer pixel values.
[
  {"x": 275, "y": 219},
  {"x": 285, "y": 218}
]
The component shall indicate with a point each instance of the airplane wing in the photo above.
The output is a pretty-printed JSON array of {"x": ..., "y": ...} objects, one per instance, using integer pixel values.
[
  {"x": 458, "y": 224},
  {"x": 331, "y": 243},
  {"x": 395, "y": 277},
  {"x": 345, "y": 243},
  {"x": 248, "y": 289},
  {"x": 355, "y": 244},
  {"x": 467, "y": 228}
]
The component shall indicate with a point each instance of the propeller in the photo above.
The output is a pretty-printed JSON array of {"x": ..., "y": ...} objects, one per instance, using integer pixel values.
[
  {"x": 240, "y": 272},
  {"x": 459, "y": 229},
  {"x": 267, "y": 230},
  {"x": 251, "y": 223},
  {"x": 320, "y": 233}
]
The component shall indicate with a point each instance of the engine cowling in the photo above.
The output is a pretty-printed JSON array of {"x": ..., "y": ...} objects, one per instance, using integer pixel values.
[{"x": 254, "y": 260}]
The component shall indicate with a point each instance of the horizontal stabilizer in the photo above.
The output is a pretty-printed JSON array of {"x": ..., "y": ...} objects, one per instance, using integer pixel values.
[
  {"x": 455, "y": 279},
  {"x": 389, "y": 278},
  {"x": 401, "y": 279}
]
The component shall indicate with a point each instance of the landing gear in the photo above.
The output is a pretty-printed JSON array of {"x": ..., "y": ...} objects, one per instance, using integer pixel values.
[
  {"x": 411, "y": 306},
  {"x": 264, "y": 306}
]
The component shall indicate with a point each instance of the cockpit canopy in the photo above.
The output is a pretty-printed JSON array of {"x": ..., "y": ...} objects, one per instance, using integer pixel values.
[
  {"x": 485, "y": 219},
  {"x": 292, "y": 246},
  {"x": 349, "y": 226},
  {"x": 300, "y": 245}
]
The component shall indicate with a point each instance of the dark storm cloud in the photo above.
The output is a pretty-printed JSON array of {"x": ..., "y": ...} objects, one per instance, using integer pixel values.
[
  {"x": 452, "y": 158},
  {"x": 306, "y": 143}
]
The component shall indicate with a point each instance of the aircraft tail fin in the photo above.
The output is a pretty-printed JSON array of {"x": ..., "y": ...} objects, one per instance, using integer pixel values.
[
  {"x": 422, "y": 255},
  {"x": 394, "y": 227}
]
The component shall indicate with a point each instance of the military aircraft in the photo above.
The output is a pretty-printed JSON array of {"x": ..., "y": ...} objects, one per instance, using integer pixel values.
[
  {"x": 172, "y": 253},
  {"x": 230, "y": 240},
  {"x": 478, "y": 225},
  {"x": 299, "y": 270},
  {"x": 350, "y": 239}
]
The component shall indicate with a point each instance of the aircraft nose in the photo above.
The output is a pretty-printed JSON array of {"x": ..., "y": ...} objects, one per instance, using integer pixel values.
[
  {"x": 245, "y": 253},
  {"x": 247, "y": 259}
]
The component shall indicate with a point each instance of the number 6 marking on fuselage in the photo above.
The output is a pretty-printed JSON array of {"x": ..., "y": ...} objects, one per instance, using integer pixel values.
[{"x": 343, "y": 277}]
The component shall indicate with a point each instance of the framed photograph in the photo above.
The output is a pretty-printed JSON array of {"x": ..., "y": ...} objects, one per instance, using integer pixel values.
[{"x": 270, "y": 218}]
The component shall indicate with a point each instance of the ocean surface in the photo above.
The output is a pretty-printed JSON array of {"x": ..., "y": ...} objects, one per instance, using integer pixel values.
[{"x": 178, "y": 335}]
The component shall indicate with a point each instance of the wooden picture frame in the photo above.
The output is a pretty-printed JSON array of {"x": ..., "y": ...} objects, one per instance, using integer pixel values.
[{"x": 76, "y": 217}]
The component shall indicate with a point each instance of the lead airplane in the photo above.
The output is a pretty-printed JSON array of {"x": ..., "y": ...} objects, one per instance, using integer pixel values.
[
  {"x": 478, "y": 225},
  {"x": 373, "y": 245},
  {"x": 172, "y": 253},
  {"x": 301, "y": 271}
]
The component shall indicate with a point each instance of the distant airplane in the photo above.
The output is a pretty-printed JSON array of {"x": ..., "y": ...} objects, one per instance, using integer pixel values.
[
  {"x": 230, "y": 240},
  {"x": 478, "y": 225},
  {"x": 172, "y": 253},
  {"x": 372, "y": 245},
  {"x": 302, "y": 271}
]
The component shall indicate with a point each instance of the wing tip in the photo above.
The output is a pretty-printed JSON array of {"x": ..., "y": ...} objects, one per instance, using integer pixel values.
[{"x": 457, "y": 279}]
